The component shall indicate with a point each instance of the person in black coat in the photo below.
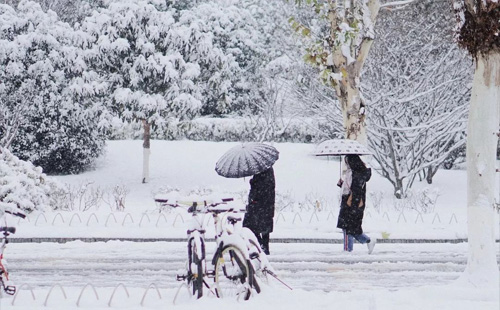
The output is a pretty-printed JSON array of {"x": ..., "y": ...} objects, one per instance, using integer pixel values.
[
  {"x": 260, "y": 209},
  {"x": 353, "y": 203}
]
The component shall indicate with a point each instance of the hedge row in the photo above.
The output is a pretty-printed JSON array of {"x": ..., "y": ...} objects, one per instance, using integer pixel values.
[{"x": 303, "y": 130}]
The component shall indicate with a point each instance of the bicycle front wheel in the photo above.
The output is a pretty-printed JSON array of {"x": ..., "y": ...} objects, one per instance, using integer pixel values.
[
  {"x": 232, "y": 274},
  {"x": 196, "y": 269}
]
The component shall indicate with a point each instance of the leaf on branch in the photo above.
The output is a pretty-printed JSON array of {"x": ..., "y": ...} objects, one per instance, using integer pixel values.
[{"x": 344, "y": 73}]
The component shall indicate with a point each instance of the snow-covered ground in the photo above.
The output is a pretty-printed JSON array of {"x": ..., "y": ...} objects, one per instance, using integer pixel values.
[
  {"x": 301, "y": 180},
  {"x": 396, "y": 276}
]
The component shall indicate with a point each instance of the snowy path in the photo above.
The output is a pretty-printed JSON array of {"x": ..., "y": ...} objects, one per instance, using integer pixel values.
[{"x": 305, "y": 266}]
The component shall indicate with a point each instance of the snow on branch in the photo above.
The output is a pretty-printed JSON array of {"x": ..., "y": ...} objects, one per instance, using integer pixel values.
[{"x": 417, "y": 92}]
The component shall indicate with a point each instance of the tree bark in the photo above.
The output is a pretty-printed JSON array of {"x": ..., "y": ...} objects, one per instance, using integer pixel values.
[
  {"x": 483, "y": 125},
  {"x": 146, "y": 151}
]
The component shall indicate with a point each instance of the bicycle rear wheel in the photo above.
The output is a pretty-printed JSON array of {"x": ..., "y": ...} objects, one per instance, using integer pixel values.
[{"x": 232, "y": 274}]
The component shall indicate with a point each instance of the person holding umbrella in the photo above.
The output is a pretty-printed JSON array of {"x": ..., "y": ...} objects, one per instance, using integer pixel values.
[
  {"x": 257, "y": 160},
  {"x": 260, "y": 209},
  {"x": 353, "y": 203},
  {"x": 353, "y": 184}
]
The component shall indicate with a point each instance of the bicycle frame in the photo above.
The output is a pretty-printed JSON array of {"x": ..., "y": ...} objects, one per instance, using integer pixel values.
[
  {"x": 8, "y": 289},
  {"x": 6, "y": 231}
]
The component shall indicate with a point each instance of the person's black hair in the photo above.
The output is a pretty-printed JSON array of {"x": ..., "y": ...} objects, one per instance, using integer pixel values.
[{"x": 355, "y": 162}]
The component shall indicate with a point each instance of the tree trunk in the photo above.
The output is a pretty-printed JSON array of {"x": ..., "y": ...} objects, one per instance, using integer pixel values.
[
  {"x": 482, "y": 268},
  {"x": 354, "y": 119},
  {"x": 146, "y": 151},
  {"x": 430, "y": 174},
  {"x": 348, "y": 88},
  {"x": 398, "y": 189}
]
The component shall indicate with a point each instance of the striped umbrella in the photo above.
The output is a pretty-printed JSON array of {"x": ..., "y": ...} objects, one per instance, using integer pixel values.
[{"x": 246, "y": 159}]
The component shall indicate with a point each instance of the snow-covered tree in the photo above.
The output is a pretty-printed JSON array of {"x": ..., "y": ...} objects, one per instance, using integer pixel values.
[
  {"x": 416, "y": 86},
  {"x": 268, "y": 69},
  {"x": 341, "y": 51},
  {"x": 413, "y": 78},
  {"x": 230, "y": 55},
  {"x": 302, "y": 93},
  {"x": 340, "y": 55},
  {"x": 478, "y": 32},
  {"x": 47, "y": 95},
  {"x": 138, "y": 49},
  {"x": 167, "y": 60},
  {"x": 271, "y": 83},
  {"x": 319, "y": 102},
  {"x": 70, "y": 11}
]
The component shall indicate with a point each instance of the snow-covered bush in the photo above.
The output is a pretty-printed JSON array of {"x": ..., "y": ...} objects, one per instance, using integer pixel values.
[
  {"x": 419, "y": 200},
  {"x": 119, "y": 194},
  {"x": 88, "y": 196},
  {"x": 47, "y": 93},
  {"x": 24, "y": 185}
]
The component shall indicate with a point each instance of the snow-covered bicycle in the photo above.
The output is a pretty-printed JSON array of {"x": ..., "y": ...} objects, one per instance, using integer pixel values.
[
  {"x": 4, "y": 274},
  {"x": 238, "y": 260}
]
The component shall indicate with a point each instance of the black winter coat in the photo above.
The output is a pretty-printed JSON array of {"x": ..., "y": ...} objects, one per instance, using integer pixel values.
[
  {"x": 260, "y": 209},
  {"x": 351, "y": 217}
]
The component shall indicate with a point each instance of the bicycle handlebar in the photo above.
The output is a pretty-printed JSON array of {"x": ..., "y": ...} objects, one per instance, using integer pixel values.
[
  {"x": 192, "y": 202},
  {"x": 21, "y": 215},
  {"x": 194, "y": 206},
  {"x": 164, "y": 202},
  {"x": 223, "y": 201},
  {"x": 8, "y": 229}
]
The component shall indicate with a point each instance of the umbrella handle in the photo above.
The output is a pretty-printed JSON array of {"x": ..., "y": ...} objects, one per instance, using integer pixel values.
[{"x": 340, "y": 173}]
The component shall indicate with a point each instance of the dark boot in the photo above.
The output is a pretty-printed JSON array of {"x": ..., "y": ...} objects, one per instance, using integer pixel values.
[{"x": 265, "y": 243}]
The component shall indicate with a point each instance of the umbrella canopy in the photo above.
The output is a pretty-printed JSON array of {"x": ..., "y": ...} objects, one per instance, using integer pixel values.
[
  {"x": 246, "y": 159},
  {"x": 336, "y": 147}
]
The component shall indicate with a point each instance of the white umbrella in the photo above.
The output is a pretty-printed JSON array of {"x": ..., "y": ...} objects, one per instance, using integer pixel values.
[
  {"x": 337, "y": 147},
  {"x": 246, "y": 159}
]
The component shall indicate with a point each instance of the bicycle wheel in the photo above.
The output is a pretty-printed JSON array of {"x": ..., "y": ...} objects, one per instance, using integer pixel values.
[
  {"x": 195, "y": 275},
  {"x": 232, "y": 274}
]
